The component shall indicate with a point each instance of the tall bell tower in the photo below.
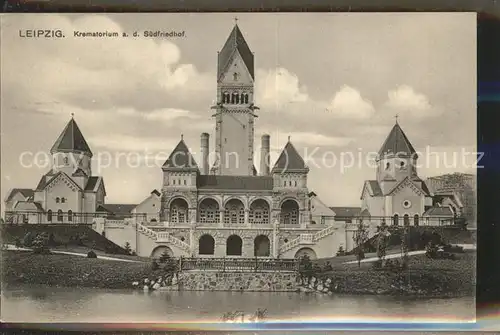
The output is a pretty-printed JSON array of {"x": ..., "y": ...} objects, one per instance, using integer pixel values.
[{"x": 235, "y": 109}]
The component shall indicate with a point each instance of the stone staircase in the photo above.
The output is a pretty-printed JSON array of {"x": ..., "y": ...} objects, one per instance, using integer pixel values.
[
  {"x": 307, "y": 239},
  {"x": 162, "y": 237}
]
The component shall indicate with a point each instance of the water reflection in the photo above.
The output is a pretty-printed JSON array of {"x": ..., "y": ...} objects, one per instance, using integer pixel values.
[{"x": 40, "y": 304}]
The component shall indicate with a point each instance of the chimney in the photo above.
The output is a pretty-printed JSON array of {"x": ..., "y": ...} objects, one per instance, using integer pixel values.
[
  {"x": 204, "y": 153},
  {"x": 264, "y": 156}
]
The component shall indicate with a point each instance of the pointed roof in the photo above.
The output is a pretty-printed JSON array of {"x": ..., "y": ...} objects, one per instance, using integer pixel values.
[
  {"x": 397, "y": 143},
  {"x": 289, "y": 160},
  {"x": 235, "y": 42},
  {"x": 25, "y": 192},
  {"x": 71, "y": 139},
  {"x": 180, "y": 159}
]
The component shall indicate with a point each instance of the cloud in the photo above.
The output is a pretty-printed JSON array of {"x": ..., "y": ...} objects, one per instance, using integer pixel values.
[
  {"x": 278, "y": 87},
  {"x": 406, "y": 100},
  {"x": 96, "y": 72},
  {"x": 131, "y": 143},
  {"x": 314, "y": 139},
  {"x": 348, "y": 104}
]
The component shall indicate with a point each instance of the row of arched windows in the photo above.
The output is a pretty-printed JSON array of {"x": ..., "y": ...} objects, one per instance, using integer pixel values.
[
  {"x": 406, "y": 220},
  {"x": 234, "y": 98},
  {"x": 60, "y": 200},
  {"x": 234, "y": 246},
  {"x": 233, "y": 212},
  {"x": 60, "y": 215}
]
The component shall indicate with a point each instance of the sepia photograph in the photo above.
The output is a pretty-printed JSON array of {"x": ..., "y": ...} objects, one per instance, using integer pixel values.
[{"x": 239, "y": 168}]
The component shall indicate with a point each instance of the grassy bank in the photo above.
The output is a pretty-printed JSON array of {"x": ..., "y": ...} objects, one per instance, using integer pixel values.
[
  {"x": 73, "y": 271},
  {"x": 424, "y": 277}
]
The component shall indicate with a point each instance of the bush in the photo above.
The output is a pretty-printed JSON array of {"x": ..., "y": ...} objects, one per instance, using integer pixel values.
[
  {"x": 28, "y": 239},
  {"x": 40, "y": 244},
  {"x": 91, "y": 254},
  {"x": 341, "y": 251},
  {"x": 453, "y": 249},
  {"x": 377, "y": 265},
  {"x": 431, "y": 250},
  {"x": 52, "y": 240},
  {"x": 154, "y": 265}
]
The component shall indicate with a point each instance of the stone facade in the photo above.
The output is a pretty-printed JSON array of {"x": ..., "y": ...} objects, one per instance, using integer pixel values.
[{"x": 238, "y": 281}]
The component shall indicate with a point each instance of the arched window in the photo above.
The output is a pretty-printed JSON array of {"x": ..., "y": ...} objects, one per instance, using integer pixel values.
[
  {"x": 259, "y": 212},
  {"x": 234, "y": 246},
  {"x": 179, "y": 210},
  {"x": 49, "y": 215},
  {"x": 235, "y": 76},
  {"x": 225, "y": 97},
  {"x": 63, "y": 200},
  {"x": 70, "y": 215},
  {"x": 246, "y": 98},
  {"x": 237, "y": 98},
  {"x": 206, "y": 245},
  {"x": 209, "y": 211},
  {"x": 60, "y": 215},
  {"x": 395, "y": 220},
  {"x": 57, "y": 200},
  {"x": 153, "y": 220},
  {"x": 406, "y": 220},
  {"x": 415, "y": 219},
  {"x": 262, "y": 246},
  {"x": 233, "y": 97},
  {"x": 65, "y": 160},
  {"x": 289, "y": 213},
  {"x": 387, "y": 166},
  {"x": 234, "y": 212}
]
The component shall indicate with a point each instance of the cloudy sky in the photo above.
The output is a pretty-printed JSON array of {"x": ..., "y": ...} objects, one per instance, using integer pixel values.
[{"x": 333, "y": 82}]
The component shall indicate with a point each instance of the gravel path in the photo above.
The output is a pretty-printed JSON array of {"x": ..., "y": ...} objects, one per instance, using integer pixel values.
[{"x": 13, "y": 247}]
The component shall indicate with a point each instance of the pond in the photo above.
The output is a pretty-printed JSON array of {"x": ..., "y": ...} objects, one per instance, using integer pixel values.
[{"x": 50, "y": 304}]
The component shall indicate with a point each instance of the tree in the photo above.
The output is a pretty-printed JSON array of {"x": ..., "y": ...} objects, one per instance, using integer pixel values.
[
  {"x": 128, "y": 249},
  {"x": 382, "y": 242},
  {"x": 360, "y": 237},
  {"x": 404, "y": 248},
  {"x": 170, "y": 264}
]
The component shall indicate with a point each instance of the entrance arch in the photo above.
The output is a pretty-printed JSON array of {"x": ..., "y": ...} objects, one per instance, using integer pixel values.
[
  {"x": 306, "y": 251},
  {"x": 234, "y": 246},
  {"x": 160, "y": 250},
  {"x": 206, "y": 245},
  {"x": 262, "y": 246}
]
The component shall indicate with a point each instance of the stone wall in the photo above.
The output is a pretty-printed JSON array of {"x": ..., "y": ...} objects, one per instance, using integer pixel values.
[{"x": 238, "y": 281}]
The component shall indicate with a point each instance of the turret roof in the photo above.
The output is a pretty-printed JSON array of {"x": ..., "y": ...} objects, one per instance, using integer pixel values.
[
  {"x": 71, "y": 140},
  {"x": 235, "y": 42}
]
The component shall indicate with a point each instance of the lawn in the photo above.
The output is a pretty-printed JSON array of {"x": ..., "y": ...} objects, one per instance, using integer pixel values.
[
  {"x": 85, "y": 250},
  {"x": 72, "y": 271},
  {"x": 424, "y": 276}
]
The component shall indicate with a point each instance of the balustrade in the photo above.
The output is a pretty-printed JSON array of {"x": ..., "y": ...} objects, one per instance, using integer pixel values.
[{"x": 238, "y": 264}]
